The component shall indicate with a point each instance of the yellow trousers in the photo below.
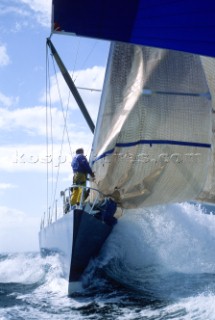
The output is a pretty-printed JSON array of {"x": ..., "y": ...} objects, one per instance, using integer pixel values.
[
  {"x": 79, "y": 178},
  {"x": 76, "y": 196}
]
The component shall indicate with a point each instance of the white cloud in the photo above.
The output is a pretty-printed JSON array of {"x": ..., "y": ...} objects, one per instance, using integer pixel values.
[
  {"x": 39, "y": 5},
  {"x": 4, "y": 58},
  {"x": 28, "y": 10},
  {"x": 6, "y": 9},
  {"x": 7, "y": 101},
  {"x": 42, "y": 9},
  {"x": 32, "y": 120},
  {"x": 4, "y": 186},
  {"x": 91, "y": 78}
]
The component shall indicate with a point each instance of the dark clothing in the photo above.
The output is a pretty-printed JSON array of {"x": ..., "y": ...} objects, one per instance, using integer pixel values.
[
  {"x": 80, "y": 164},
  {"x": 80, "y": 168}
]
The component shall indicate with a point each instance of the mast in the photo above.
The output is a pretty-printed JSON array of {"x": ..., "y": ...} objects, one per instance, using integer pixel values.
[{"x": 71, "y": 86}]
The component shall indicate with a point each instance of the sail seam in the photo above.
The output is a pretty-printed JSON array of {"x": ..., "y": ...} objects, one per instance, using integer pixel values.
[{"x": 151, "y": 142}]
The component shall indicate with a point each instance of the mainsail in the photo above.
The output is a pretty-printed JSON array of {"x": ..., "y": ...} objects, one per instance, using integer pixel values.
[{"x": 153, "y": 141}]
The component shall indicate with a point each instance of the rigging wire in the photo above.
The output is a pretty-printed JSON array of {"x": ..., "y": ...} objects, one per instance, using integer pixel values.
[
  {"x": 65, "y": 114},
  {"x": 47, "y": 167},
  {"x": 86, "y": 59},
  {"x": 61, "y": 151},
  {"x": 76, "y": 56},
  {"x": 65, "y": 130},
  {"x": 49, "y": 135},
  {"x": 51, "y": 131},
  {"x": 61, "y": 103}
]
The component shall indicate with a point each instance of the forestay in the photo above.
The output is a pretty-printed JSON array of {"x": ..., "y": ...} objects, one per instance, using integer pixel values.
[{"x": 153, "y": 136}]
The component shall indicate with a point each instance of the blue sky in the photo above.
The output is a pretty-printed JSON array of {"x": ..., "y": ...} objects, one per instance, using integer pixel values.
[{"x": 24, "y": 27}]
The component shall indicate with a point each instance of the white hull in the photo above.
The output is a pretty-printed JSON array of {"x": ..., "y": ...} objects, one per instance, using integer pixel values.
[{"x": 58, "y": 238}]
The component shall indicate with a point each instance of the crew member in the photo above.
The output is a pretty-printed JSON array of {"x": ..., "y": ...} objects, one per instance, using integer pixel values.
[{"x": 81, "y": 168}]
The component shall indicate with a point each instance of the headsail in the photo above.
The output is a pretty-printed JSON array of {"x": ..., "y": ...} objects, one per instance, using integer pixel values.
[
  {"x": 153, "y": 138},
  {"x": 208, "y": 192}
]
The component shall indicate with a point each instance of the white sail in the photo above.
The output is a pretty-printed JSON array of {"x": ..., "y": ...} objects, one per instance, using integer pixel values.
[
  {"x": 152, "y": 142},
  {"x": 208, "y": 192}
]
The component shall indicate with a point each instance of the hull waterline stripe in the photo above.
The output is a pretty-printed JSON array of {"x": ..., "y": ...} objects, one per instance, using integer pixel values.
[{"x": 151, "y": 142}]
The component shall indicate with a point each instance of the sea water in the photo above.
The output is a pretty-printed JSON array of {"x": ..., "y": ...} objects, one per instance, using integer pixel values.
[{"x": 158, "y": 263}]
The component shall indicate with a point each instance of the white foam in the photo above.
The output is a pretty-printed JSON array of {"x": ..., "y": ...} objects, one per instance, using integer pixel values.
[
  {"x": 21, "y": 268},
  {"x": 154, "y": 248},
  {"x": 179, "y": 237}
]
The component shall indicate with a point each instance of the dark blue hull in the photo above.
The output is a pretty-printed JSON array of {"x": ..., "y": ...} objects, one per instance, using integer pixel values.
[{"x": 77, "y": 237}]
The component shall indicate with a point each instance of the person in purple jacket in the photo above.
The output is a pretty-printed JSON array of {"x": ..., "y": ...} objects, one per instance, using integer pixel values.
[{"x": 81, "y": 169}]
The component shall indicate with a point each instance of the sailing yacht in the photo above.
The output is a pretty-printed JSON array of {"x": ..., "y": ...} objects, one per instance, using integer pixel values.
[{"x": 153, "y": 140}]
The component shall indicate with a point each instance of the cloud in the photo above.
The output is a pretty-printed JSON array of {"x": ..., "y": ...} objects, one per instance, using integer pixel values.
[
  {"x": 4, "y": 58},
  {"x": 31, "y": 10},
  {"x": 12, "y": 8},
  {"x": 8, "y": 101},
  {"x": 4, "y": 186},
  {"x": 91, "y": 78},
  {"x": 42, "y": 10},
  {"x": 15, "y": 11},
  {"x": 31, "y": 120}
]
